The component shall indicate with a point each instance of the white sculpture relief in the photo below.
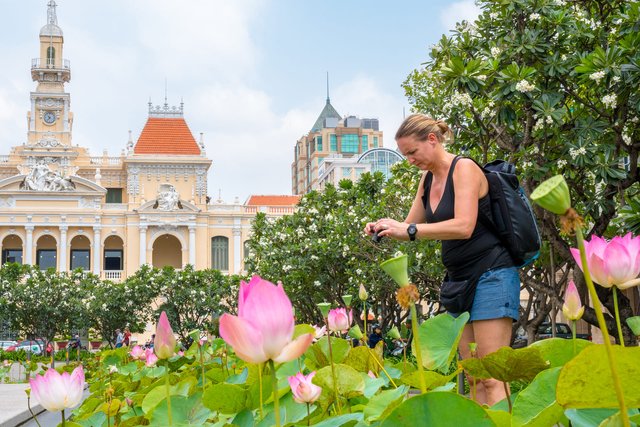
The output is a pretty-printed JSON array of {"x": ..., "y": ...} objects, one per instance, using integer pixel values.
[
  {"x": 168, "y": 198},
  {"x": 7, "y": 202},
  {"x": 42, "y": 178}
]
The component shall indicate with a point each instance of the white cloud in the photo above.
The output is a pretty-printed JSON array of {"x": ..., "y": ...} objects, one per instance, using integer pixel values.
[{"x": 458, "y": 11}]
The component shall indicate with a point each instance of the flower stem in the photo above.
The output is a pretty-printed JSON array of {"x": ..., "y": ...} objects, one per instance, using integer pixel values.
[
  {"x": 64, "y": 422},
  {"x": 260, "y": 384},
  {"x": 366, "y": 334},
  {"x": 381, "y": 366},
  {"x": 603, "y": 327},
  {"x": 276, "y": 400},
  {"x": 615, "y": 306},
  {"x": 573, "y": 332},
  {"x": 416, "y": 340},
  {"x": 31, "y": 410},
  {"x": 333, "y": 372},
  {"x": 168, "y": 387},
  {"x": 202, "y": 366},
  {"x": 308, "y": 415}
]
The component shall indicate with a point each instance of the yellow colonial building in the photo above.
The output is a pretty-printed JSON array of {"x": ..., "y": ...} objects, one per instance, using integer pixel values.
[{"x": 62, "y": 207}]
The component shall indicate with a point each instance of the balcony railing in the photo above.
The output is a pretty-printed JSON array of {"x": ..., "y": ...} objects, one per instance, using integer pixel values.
[
  {"x": 102, "y": 160},
  {"x": 4, "y": 159},
  {"x": 114, "y": 275},
  {"x": 50, "y": 64}
]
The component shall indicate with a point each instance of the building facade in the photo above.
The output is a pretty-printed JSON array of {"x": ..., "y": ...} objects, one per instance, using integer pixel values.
[
  {"x": 62, "y": 207},
  {"x": 330, "y": 137}
]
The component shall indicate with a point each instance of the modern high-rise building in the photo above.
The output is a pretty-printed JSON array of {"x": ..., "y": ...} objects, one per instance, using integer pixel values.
[
  {"x": 331, "y": 136},
  {"x": 62, "y": 207}
]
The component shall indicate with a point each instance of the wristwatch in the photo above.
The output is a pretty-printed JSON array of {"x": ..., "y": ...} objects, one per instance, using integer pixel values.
[{"x": 411, "y": 231}]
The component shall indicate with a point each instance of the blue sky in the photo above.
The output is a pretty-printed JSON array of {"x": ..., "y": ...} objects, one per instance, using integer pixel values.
[{"x": 252, "y": 73}]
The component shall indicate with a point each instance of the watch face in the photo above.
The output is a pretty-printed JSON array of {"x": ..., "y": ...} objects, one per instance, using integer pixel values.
[{"x": 49, "y": 117}]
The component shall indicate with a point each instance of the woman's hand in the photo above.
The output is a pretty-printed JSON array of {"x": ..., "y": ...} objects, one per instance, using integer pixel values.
[{"x": 387, "y": 227}]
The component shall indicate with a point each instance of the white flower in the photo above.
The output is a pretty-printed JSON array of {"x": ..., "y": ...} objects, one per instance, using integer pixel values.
[
  {"x": 615, "y": 79},
  {"x": 610, "y": 100},
  {"x": 562, "y": 163},
  {"x": 539, "y": 124},
  {"x": 563, "y": 57},
  {"x": 495, "y": 51},
  {"x": 549, "y": 120},
  {"x": 524, "y": 86},
  {"x": 534, "y": 16},
  {"x": 597, "y": 76},
  {"x": 493, "y": 15},
  {"x": 481, "y": 77},
  {"x": 626, "y": 138}
]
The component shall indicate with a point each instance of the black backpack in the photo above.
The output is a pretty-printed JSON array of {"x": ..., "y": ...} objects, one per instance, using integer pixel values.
[{"x": 512, "y": 218}]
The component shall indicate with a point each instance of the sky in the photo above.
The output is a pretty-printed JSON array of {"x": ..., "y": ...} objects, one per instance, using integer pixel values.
[{"x": 252, "y": 73}]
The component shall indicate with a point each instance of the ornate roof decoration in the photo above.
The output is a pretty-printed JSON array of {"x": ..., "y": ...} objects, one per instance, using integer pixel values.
[
  {"x": 166, "y": 132},
  {"x": 51, "y": 28}
]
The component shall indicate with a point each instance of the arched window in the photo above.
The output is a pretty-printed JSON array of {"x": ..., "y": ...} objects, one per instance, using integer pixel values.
[
  {"x": 220, "y": 253},
  {"x": 51, "y": 55}
]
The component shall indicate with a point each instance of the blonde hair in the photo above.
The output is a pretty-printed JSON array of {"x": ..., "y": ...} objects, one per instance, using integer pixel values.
[{"x": 420, "y": 126}]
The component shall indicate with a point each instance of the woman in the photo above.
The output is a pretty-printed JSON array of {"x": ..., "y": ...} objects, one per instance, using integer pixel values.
[{"x": 451, "y": 194}]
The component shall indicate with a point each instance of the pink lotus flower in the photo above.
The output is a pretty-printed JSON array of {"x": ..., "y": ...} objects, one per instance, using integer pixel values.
[
  {"x": 572, "y": 307},
  {"x": 304, "y": 391},
  {"x": 150, "y": 358},
  {"x": 339, "y": 319},
  {"x": 164, "y": 344},
  {"x": 137, "y": 353},
  {"x": 320, "y": 332},
  {"x": 263, "y": 328},
  {"x": 55, "y": 391},
  {"x": 614, "y": 263},
  {"x": 371, "y": 374}
]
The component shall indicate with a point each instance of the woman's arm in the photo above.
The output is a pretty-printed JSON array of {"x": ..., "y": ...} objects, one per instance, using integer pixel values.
[{"x": 469, "y": 186}]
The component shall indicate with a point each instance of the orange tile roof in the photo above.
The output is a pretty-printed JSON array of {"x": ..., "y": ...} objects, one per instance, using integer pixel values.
[
  {"x": 273, "y": 200},
  {"x": 166, "y": 136}
]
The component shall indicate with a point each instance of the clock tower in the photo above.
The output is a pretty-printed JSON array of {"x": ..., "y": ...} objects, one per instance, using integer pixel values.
[{"x": 50, "y": 119}]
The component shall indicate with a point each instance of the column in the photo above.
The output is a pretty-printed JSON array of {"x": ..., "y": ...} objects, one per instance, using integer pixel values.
[
  {"x": 143, "y": 245},
  {"x": 28, "y": 245},
  {"x": 63, "y": 248},
  {"x": 97, "y": 246},
  {"x": 192, "y": 245},
  {"x": 237, "y": 250}
]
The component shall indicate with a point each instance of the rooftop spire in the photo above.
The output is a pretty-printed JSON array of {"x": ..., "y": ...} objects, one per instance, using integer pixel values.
[
  {"x": 51, "y": 13},
  {"x": 328, "y": 100}
]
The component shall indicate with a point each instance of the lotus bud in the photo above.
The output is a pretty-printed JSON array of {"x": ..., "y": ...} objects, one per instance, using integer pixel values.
[
  {"x": 397, "y": 269},
  {"x": 394, "y": 333},
  {"x": 362, "y": 293},
  {"x": 553, "y": 195},
  {"x": 473, "y": 347},
  {"x": 634, "y": 324},
  {"x": 572, "y": 307},
  {"x": 355, "y": 332},
  {"x": 347, "y": 300},
  {"x": 324, "y": 308},
  {"x": 164, "y": 344}
]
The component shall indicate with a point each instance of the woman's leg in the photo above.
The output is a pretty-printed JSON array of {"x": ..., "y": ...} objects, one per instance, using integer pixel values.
[
  {"x": 463, "y": 347},
  {"x": 490, "y": 335}
]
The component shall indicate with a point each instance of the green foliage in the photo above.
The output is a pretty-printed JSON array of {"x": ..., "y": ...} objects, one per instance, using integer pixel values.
[
  {"x": 328, "y": 229},
  {"x": 439, "y": 408},
  {"x": 553, "y": 87},
  {"x": 194, "y": 299},
  {"x": 574, "y": 392},
  {"x": 536, "y": 404},
  {"x": 439, "y": 337}
]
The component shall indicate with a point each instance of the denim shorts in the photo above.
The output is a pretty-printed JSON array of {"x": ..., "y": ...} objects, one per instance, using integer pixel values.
[{"x": 497, "y": 295}]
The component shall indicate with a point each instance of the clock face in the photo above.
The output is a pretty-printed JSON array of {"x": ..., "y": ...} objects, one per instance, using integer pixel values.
[{"x": 49, "y": 117}]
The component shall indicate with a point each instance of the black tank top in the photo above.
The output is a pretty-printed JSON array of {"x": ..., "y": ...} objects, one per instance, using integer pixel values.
[{"x": 460, "y": 256}]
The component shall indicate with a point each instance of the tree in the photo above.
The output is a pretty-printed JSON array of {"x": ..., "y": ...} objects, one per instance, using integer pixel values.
[
  {"x": 552, "y": 86},
  {"x": 194, "y": 299},
  {"x": 321, "y": 252},
  {"x": 129, "y": 303},
  {"x": 43, "y": 304}
]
